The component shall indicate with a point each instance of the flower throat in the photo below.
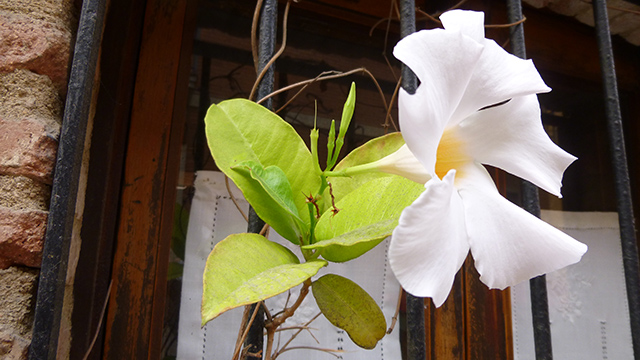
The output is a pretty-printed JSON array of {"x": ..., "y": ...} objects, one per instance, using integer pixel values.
[{"x": 451, "y": 154}]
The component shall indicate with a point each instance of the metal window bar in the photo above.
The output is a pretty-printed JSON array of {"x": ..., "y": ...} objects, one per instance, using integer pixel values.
[
  {"x": 620, "y": 170},
  {"x": 64, "y": 191},
  {"x": 416, "y": 346},
  {"x": 266, "y": 48},
  {"x": 531, "y": 203}
]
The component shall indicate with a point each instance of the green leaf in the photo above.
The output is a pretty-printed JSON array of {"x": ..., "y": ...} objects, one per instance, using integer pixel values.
[
  {"x": 239, "y": 130},
  {"x": 371, "y": 151},
  {"x": 245, "y": 268},
  {"x": 347, "y": 306},
  {"x": 367, "y": 215},
  {"x": 273, "y": 191}
]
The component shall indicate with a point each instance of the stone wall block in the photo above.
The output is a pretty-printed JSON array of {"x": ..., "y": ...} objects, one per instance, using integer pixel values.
[
  {"x": 63, "y": 12},
  {"x": 27, "y": 149},
  {"x": 25, "y": 94},
  {"x": 18, "y": 286},
  {"x": 38, "y": 45},
  {"x": 21, "y": 236},
  {"x": 23, "y": 193},
  {"x": 12, "y": 346}
]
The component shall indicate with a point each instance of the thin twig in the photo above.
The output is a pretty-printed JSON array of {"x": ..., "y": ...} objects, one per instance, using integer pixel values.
[
  {"x": 294, "y": 97},
  {"x": 327, "y": 75},
  {"x": 460, "y": 3},
  {"x": 429, "y": 16},
  {"x": 282, "y": 349},
  {"x": 276, "y": 55},
  {"x": 377, "y": 23},
  {"x": 329, "y": 351},
  {"x": 243, "y": 323},
  {"x": 104, "y": 310},
  {"x": 267, "y": 312},
  {"x": 264, "y": 230},
  {"x": 313, "y": 336},
  {"x": 394, "y": 319},
  {"x": 435, "y": 16},
  {"x": 500, "y": 26},
  {"x": 233, "y": 198},
  {"x": 490, "y": 26},
  {"x": 287, "y": 313},
  {"x": 394, "y": 5},
  {"x": 293, "y": 327},
  {"x": 254, "y": 35},
  {"x": 246, "y": 331},
  {"x": 388, "y": 118},
  {"x": 286, "y": 303}
]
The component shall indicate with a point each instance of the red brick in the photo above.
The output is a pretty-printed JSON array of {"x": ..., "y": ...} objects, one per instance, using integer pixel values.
[
  {"x": 21, "y": 236},
  {"x": 28, "y": 149},
  {"x": 37, "y": 45}
]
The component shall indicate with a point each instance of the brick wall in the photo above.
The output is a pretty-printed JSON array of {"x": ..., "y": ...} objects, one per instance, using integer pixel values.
[{"x": 35, "y": 41}]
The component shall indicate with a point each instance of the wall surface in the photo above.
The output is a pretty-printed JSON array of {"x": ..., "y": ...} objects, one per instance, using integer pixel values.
[{"x": 35, "y": 46}]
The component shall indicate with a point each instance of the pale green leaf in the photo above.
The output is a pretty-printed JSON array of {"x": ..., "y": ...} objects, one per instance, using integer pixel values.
[
  {"x": 245, "y": 268},
  {"x": 239, "y": 130},
  {"x": 347, "y": 306},
  {"x": 367, "y": 215}
]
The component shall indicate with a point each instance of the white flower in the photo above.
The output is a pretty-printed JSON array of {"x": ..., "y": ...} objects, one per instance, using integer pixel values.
[{"x": 449, "y": 134}]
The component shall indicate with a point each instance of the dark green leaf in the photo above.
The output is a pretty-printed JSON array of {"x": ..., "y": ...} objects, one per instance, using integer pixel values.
[{"x": 347, "y": 306}]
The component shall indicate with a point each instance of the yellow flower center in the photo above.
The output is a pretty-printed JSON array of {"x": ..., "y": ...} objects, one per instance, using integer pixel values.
[{"x": 451, "y": 154}]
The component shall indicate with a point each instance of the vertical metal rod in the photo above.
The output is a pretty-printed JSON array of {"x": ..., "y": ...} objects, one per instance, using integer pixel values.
[
  {"x": 621, "y": 173},
  {"x": 55, "y": 256},
  {"x": 538, "y": 285},
  {"x": 254, "y": 342},
  {"x": 416, "y": 346}
]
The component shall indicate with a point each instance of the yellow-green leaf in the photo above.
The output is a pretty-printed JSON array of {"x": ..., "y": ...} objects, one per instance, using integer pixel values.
[
  {"x": 240, "y": 130},
  {"x": 367, "y": 215},
  {"x": 245, "y": 268}
]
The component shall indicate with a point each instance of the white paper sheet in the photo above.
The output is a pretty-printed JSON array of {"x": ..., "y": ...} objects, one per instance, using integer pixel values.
[
  {"x": 213, "y": 217},
  {"x": 587, "y": 301}
]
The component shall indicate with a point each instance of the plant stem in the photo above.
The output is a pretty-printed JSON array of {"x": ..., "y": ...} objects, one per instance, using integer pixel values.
[
  {"x": 312, "y": 220},
  {"x": 280, "y": 319}
]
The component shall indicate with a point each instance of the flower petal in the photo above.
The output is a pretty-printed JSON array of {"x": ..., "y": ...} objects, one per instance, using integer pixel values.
[
  {"x": 429, "y": 245},
  {"x": 470, "y": 23},
  {"x": 402, "y": 162},
  {"x": 508, "y": 244},
  {"x": 511, "y": 137},
  {"x": 443, "y": 61},
  {"x": 498, "y": 76}
]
